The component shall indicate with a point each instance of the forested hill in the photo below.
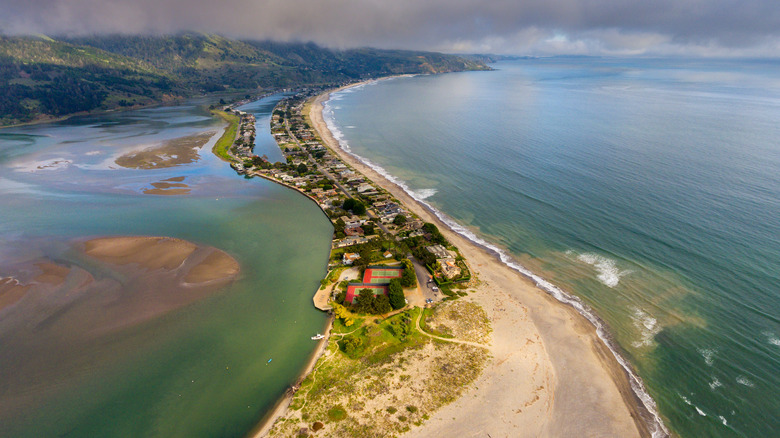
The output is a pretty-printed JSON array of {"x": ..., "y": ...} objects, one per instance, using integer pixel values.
[{"x": 42, "y": 77}]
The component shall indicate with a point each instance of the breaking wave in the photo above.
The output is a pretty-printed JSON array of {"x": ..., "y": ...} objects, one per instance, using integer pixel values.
[
  {"x": 608, "y": 272},
  {"x": 648, "y": 327},
  {"x": 424, "y": 193},
  {"x": 742, "y": 380},
  {"x": 772, "y": 338},
  {"x": 655, "y": 424},
  {"x": 715, "y": 383},
  {"x": 708, "y": 355}
]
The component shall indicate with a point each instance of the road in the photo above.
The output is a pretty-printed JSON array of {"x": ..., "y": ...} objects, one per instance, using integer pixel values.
[
  {"x": 371, "y": 214},
  {"x": 426, "y": 288}
]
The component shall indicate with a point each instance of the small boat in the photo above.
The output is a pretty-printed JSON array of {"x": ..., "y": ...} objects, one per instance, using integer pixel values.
[
  {"x": 269, "y": 361},
  {"x": 318, "y": 337}
]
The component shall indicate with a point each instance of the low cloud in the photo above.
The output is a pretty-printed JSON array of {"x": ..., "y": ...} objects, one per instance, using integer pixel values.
[{"x": 537, "y": 27}]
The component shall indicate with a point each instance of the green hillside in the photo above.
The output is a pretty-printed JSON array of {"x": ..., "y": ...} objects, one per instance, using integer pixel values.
[{"x": 41, "y": 77}]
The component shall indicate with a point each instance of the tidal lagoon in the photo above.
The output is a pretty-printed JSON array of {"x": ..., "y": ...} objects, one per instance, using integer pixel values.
[{"x": 184, "y": 346}]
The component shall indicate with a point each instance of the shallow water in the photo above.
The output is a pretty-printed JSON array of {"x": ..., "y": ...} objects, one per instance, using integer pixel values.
[
  {"x": 201, "y": 370},
  {"x": 649, "y": 188}
]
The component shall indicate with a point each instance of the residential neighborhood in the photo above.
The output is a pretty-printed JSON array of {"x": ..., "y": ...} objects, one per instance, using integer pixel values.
[{"x": 370, "y": 225}]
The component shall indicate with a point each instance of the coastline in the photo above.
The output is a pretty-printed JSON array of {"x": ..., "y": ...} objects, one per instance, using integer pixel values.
[
  {"x": 575, "y": 346},
  {"x": 280, "y": 407}
]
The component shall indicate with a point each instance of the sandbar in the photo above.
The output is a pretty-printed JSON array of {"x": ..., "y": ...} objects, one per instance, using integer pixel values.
[
  {"x": 181, "y": 150},
  {"x": 168, "y": 188},
  {"x": 60, "y": 319},
  {"x": 149, "y": 252}
]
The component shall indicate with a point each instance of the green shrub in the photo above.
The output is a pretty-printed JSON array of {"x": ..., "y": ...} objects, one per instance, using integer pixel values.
[
  {"x": 411, "y": 409},
  {"x": 337, "y": 413},
  {"x": 392, "y": 410}
]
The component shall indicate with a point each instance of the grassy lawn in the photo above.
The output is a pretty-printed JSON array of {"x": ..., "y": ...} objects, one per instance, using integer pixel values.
[{"x": 226, "y": 141}]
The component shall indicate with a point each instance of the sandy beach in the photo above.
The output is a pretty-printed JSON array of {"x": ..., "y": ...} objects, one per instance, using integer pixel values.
[{"x": 549, "y": 375}]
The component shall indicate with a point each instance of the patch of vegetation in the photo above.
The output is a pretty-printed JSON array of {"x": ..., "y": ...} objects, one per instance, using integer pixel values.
[
  {"x": 398, "y": 366},
  {"x": 337, "y": 413},
  {"x": 460, "y": 319},
  {"x": 224, "y": 143}
]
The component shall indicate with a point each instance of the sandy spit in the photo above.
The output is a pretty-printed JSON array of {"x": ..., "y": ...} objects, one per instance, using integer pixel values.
[{"x": 550, "y": 374}]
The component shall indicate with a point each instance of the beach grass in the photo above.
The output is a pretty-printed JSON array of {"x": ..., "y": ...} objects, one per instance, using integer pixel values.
[
  {"x": 355, "y": 395},
  {"x": 222, "y": 146}
]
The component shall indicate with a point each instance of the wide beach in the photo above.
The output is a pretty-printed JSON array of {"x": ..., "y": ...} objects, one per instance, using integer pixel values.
[{"x": 563, "y": 379}]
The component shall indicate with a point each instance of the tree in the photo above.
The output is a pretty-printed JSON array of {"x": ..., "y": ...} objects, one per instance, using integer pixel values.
[
  {"x": 342, "y": 313},
  {"x": 302, "y": 169},
  {"x": 359, "y": 209},
  {"x": 355, "y": 206},
  {"x": 352, "y": 345},
  {"x": 382, "y": 304},
  {"x": 436, "y": 236},
  {"x": 396, "y": 294},
  {"x": 408, "y": 277},
  {"x": 399, "y": 220}
]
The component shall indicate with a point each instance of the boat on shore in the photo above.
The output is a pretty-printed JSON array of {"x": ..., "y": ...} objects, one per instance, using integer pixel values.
[{"x": 318, "y": 337}]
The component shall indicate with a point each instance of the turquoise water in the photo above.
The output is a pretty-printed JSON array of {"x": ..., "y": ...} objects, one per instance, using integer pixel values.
[
  {"x": 199, "y": 371},
  {"x": 265, "y": 144},
  {"x": 648, "y": 188}
]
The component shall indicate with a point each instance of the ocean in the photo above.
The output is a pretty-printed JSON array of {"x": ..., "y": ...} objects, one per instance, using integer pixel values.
[
  {"x": 202, "y": 370},
  {"x": 647, "y": 188}
]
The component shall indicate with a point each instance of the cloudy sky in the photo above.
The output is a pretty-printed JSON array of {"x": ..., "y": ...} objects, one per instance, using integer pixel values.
[{"x": 534, "y": 27}]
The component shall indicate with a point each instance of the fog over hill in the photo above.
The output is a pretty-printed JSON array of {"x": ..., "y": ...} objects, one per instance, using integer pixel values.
[{"x": 44, "y": 77}]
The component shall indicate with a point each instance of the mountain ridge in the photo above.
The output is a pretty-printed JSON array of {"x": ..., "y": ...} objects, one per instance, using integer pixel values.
[{"x": 44, "y": 77}]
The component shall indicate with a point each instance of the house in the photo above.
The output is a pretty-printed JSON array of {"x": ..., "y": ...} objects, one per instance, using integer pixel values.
[
  {"x": 353, "y": 231},
  {"x": 365, "y": 187},
  {"x": 449, "y": 268},
  {"x": 412, "y": 225},
  {"x": 353, "y": 221},
  {"x": 350, "y": 257},
  {"x": 387, "y": 254},
  {"x": 440, "y": 252}
]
